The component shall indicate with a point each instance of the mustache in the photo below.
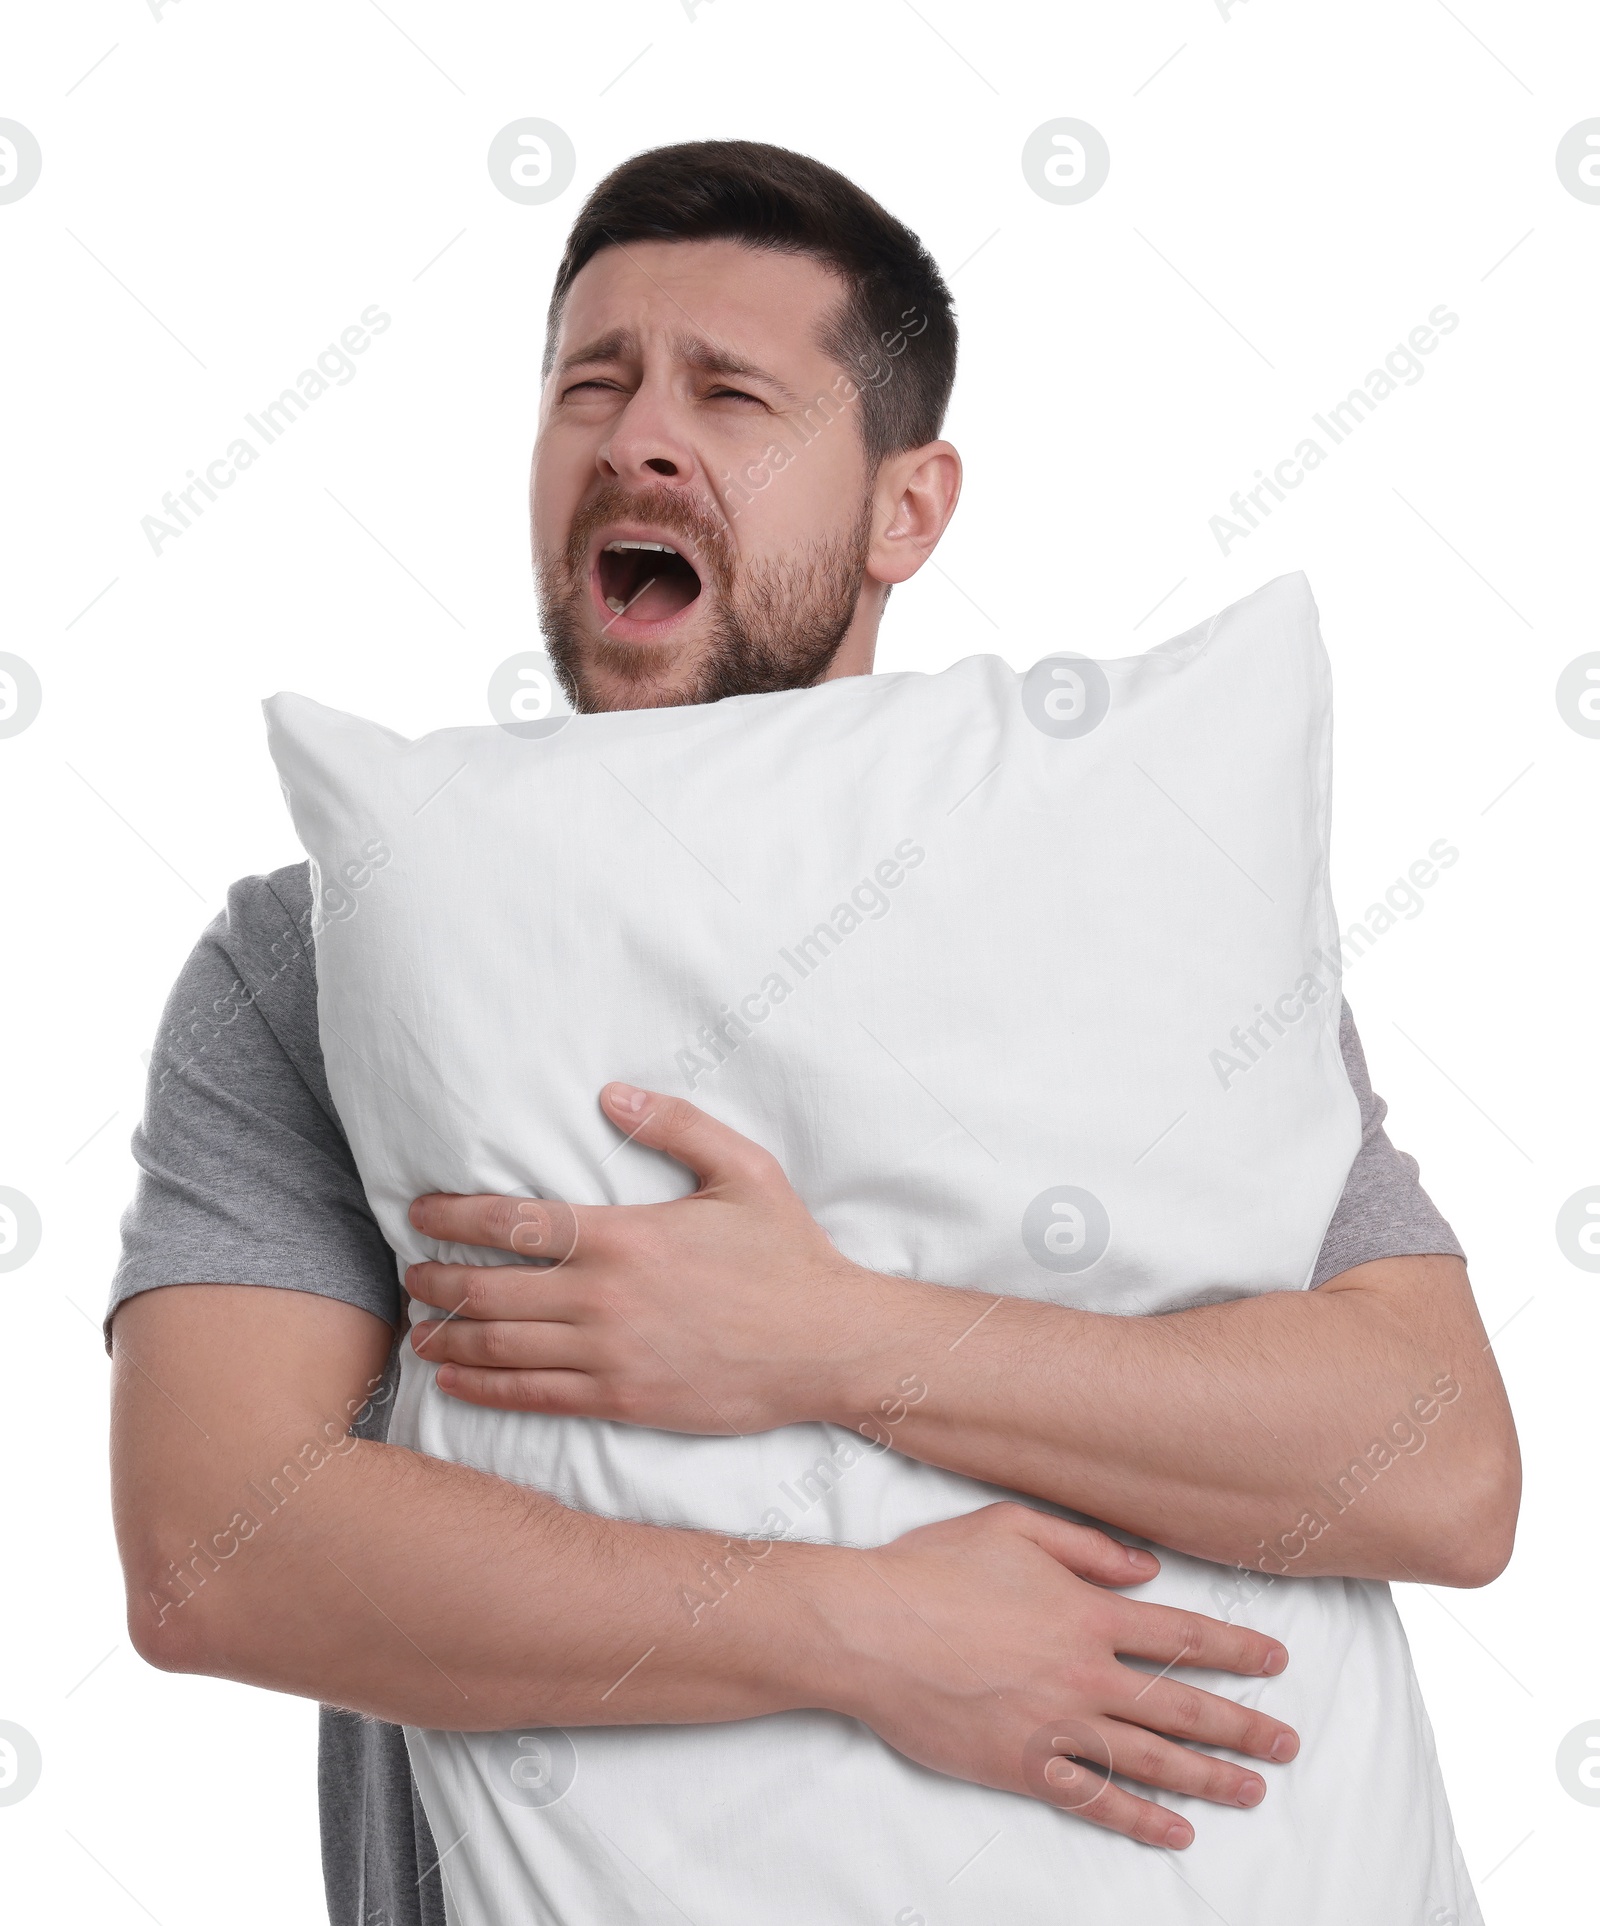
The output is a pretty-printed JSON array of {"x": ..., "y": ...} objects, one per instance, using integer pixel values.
[{"x": 664, "y": 508}]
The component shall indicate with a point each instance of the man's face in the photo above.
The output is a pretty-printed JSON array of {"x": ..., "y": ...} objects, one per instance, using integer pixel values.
[{"x": 701, "y": 500}]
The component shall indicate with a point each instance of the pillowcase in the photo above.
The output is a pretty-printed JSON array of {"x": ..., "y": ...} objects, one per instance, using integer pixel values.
[{"x": 1031, "y": 983}]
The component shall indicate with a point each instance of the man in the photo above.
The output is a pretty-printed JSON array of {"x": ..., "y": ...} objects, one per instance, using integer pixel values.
[{"x": 738, "y": 456}]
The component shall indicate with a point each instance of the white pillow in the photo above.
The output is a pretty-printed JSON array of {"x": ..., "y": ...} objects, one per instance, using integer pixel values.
[{"x": 1031, "y": 984}]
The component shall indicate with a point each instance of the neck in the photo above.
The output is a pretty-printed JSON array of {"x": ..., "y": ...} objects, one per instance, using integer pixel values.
[{"x": 857, "y": 650}]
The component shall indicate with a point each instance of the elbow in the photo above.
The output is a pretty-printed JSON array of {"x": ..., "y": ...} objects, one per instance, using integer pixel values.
[
  {"x": 174, "y": 1620},
  {"x": 1479, "y": 1522},
  {"x": 163, "y": 1636},
  {"x": 167, "y": 1624}
]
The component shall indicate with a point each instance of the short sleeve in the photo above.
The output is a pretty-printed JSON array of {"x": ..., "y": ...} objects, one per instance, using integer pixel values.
[
  {"x": 245, "y": 1174},
  {"x": 1384, "y": 1211}
]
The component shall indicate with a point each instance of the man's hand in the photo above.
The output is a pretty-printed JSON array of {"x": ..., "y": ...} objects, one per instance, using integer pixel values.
[
  {"x": 725, "y": 1311},
  {"x": 1043, "y": 1706}
]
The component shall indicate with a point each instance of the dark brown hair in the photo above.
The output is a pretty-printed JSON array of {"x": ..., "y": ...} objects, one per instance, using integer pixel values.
[{"x": 894, "y": 331}]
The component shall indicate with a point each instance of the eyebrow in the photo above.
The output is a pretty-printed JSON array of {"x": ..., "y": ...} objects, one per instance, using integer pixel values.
[
  {"x": 706, "y": 357},
  {"x": 614, "y": 346}
]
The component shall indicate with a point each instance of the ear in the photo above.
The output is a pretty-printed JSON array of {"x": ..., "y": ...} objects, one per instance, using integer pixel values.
[{"x": 914, "y": 497}]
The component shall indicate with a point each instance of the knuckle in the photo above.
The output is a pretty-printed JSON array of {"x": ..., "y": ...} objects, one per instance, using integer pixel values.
[
  {"x": 1150, "y": 1824},
  {"x": 1191, "y": 1634},
  {"x": 986, "y": 1519},
  {"x": 625, "y": 1403},
  {"x": 1077, "y": 1678},
  {"x": 498, "y": 1217},
  {"x": 530, "y": 1232},
  {"x": 1185, "y": 1709},
  {"x": 1244, "y": 1652},
  {"x": 673, "y": 1114},
  {"x": 757, "y": 1166},
  {"x": 1099, "y": 1619},
  {"x": 533, "y": 1393},
  {"x": 494, "y": 1345}
]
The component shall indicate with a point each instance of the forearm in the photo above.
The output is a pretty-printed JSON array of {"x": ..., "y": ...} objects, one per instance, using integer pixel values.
[
  {"x": 432, "y": 1594},
  {"x": 1354, "y": 1430},
  {"x": 265, "y": 1545}
]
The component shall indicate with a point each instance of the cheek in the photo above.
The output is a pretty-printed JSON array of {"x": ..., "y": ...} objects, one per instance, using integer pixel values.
[
  {"x": 798, "y": 490},
  {"x": 564, "y": 465}
]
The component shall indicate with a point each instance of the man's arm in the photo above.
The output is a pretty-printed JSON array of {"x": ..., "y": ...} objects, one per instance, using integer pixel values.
[
  {"x": 262, "y": 1543},
  {"x": 1360, "y": 1429}
]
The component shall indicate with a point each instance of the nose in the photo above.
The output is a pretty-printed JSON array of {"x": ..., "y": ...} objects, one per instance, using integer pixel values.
[{"x": 648, "y": 444}]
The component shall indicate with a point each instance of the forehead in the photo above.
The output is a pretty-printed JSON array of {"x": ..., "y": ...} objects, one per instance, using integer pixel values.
[{"x": 668, "y": 295}]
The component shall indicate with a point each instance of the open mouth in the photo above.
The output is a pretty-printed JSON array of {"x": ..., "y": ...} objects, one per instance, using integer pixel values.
[{"x": 643, "y": 582}]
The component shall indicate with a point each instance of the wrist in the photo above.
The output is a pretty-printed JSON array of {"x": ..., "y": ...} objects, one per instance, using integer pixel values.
[
  {"x": 877, "y": 1342},
  {"x": 826, "y": 1666}
]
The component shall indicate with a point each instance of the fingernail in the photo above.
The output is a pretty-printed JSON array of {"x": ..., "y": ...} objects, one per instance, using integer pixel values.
[
  {"x": 447, "y": 1376},
  {"x": 1251, "y": 1793},
  {"x": 623, "y": 1096},
  {"x": 1135, "y": 1556},
  {"x": 1179, "y": 1834},
  {"x": 1276, "y": 1661},
  {"x": 1284, "y": 1747}
]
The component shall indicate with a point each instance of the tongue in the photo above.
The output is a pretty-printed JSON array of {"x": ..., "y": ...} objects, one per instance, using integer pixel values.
[{"x": 667, "y": 585}]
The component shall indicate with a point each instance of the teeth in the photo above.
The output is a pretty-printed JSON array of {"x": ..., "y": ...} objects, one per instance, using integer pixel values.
[
  {"x": 616, "y": 604},
  {"x": 657, "y": 548}
]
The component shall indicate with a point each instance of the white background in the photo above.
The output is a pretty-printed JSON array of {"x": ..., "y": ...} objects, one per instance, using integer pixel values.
[{"x": 1290, "y": 194}]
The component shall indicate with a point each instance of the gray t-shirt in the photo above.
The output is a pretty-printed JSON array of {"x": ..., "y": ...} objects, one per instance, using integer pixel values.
[{"x": 245, "y": 1177}]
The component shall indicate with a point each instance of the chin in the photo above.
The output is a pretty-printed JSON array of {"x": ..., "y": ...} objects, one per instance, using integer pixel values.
[{"x": 609, "y": 673}]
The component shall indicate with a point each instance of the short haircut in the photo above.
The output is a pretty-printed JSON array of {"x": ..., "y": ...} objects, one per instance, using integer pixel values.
[{"x": 768, "y": 197}]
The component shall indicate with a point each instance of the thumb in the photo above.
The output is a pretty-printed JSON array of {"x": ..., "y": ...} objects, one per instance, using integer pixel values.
[
  {"x": 719, "y": 1156},
  {"x": 1094, "y": 1555}
]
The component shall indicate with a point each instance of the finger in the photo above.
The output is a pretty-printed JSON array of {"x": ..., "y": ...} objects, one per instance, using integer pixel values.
[
  {"x": 1143, "y": 1630},
  {"x": 719, "y": 1156},
  {"x": 1090, "y": 1554},
  {"x": 1155, "y": 1761},
  {"x": 1183, "y": 1711},
  {"x": 532, "y": 1226},
  {"x": 1083, "y": 1785},
  {"x": 561, "y": 1393},
  {"x": 493, "y": 1291},
  {"x": 521, "y": 1346}
]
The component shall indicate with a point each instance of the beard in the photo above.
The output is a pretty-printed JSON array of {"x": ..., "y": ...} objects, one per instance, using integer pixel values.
[{"x": 773, "y": 624}]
